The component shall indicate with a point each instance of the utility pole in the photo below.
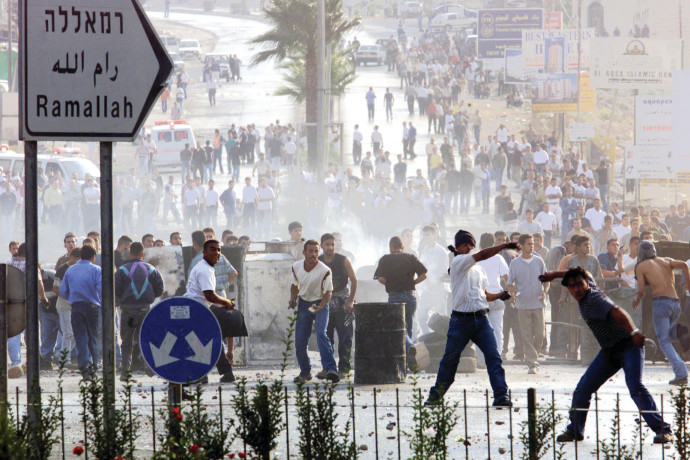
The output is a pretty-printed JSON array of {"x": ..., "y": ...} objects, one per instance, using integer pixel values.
[
  {"x": 579, "y": 64},
  {"x": 321, "y": 86},
  {"x": 9, "y": 45}
]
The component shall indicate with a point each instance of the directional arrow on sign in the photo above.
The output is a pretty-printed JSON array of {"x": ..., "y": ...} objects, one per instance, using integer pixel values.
[
  {"x": 161, "y": 355},
  {"x": 202, "y": 353},
  {"x": 89, "y": 70}
]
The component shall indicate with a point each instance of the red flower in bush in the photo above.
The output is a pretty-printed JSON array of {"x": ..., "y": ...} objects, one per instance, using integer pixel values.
[
  {"x": 231, "y": 455},
  {"x": 78, "y": 450},
  {"x": 193, "y": 449},
  {"x": 119, "y": 457},
  {"x": 241, "y": 455},
  {"x": 179, "y": 416}
]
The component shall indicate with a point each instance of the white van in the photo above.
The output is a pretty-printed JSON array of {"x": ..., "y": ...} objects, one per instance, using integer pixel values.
[
  {"x": 65, "y": 164},
  {"x": 170, "y": 43},
  {"x": 453, "y": 21},
  {"x": 170, "y": 138}
]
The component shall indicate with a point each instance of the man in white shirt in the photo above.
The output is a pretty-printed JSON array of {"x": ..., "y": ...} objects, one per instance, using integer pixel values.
[
  {"x": 596, "y": 215},
  {"x": 376, "y": 140},
  {"x": 553, "y": 197},
  {"x": 310, "y": 292},
  {"x": 357, "y": 139},
  {"x": 541, "y": 159},
  {"x": 201, "y": 286},
  {"x": 211, "y": 205},
  {"x": 249, "y": 200},
  {"x": 264, "y": 207},
  {"x": 624, "y": 227},
  {"x": 496, "y": 270},
  {"x": 469, "y": 319},
  {"x": 190, "y": 197},
  {"x": 432, "y": 294},
  {"x": 547, "y": 220}
]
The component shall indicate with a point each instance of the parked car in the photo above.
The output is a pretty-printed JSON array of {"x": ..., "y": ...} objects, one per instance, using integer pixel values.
[
  {"x": 410, "y": 10},
  {"x": 189, "y": 47},
  {"x": 452, "y": 21},
  {"x": 452, "y": 8},
  {"x": 178, "y": 62},
  {"x": 170, "y": 43},
  {"x": 223, "y": 65},
  {"x": 370, "y": 53},
  {"x": 64, "y": 163}
]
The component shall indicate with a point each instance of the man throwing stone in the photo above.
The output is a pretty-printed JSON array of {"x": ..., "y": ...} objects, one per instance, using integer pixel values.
[
  {"x": 310, "y": 292},
  {"x": 658, "y": 273},
  {"x": 622, "y": 346},
  {"x": 469, "y": 320}
]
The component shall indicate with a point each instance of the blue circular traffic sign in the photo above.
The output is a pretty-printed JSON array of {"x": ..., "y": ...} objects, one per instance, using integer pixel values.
[{"x": 180, "y": 340}]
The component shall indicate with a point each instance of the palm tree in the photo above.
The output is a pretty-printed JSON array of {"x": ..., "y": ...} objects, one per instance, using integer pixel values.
[
  {"x": 295, "y": 76},
  {"x": 293, "y": 35}
]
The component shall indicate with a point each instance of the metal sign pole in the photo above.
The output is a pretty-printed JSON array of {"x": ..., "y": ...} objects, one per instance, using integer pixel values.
[
  {"x": 3, "y": 337},
  {"x": 108, "y": 288},
  {"x": 31, "y": 239}
]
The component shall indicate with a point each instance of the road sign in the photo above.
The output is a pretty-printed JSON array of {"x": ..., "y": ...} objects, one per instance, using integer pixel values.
[
  {"x": 89, "y": 70},
  {"x": 180, "y": 340},
  {"x": 579, "y": 132}
]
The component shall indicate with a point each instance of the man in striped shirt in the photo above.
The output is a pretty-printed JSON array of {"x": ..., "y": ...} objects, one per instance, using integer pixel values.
[{"x": 622, "y": 346}]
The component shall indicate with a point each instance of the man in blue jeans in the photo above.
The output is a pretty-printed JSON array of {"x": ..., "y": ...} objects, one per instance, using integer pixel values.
[
  {"x": 658, "y": 273},
  {"x": 400, "y": 272},
  {"x": 81, "y": 286},
  {"x": 622, "y": 346},
  {"x": 469, "y": 320},
  {"x": 310, "y": 292}
]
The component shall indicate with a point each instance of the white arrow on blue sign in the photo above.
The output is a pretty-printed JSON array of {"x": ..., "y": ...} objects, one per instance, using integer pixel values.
[{"x": 180, "y": 340}]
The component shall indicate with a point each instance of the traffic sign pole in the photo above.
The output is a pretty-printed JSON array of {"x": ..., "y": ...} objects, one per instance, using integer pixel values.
[
  {"x": 108, "y": 289},
  {"x": 31, "y": 240}
]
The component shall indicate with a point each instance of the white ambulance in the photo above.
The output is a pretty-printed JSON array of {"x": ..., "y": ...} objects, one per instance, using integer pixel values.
[{"x": 170, "y": 138}]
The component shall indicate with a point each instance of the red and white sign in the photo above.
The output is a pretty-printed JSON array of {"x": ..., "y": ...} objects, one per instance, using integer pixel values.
[{"x": 553, "y": 20}]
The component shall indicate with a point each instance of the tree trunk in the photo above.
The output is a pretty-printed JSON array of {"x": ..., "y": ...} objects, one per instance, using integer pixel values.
[{"x": 313, "y": 152}]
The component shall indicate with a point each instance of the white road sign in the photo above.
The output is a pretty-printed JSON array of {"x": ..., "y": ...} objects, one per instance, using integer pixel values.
[
  {"x": 579, "y": 132},
  {"x": 90, "y": 70}
]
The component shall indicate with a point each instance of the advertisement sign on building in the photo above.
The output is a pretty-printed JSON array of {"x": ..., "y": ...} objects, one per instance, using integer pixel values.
[
  {"x": 634, "y": 63},
  {"x": 515, "y": 73},
  {"x": 534, "y": 48},
  {"x": 648, "y": 162},
  {"x": 499, "y": 29},
  {"x": 558, "y": 92},
  {"x": 654, "y": 121}
]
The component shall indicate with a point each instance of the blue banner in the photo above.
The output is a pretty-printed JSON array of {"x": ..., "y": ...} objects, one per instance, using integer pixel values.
[{"x": 502, "y": 28}]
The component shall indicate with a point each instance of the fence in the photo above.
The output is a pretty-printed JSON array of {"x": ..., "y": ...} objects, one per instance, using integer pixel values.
[{"x": 382, "y": 423}]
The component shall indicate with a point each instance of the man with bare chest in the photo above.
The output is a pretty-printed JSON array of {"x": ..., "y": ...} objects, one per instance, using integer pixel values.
[{"x": 658, "y": 273}]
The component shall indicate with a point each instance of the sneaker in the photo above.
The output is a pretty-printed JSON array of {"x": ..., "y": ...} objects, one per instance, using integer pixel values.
[
  {"x": 532, "y": 370},
  {"x": 333, "y": 377},
  {"x": 569, "y": 436},
  {"x": 503, "y": 402},
  {"x": 45, "y": 364},
  {"x": 433, "y": 401},
  {"x": 322, "y": 374},
  {"x": 302, "y": 378},
  {"x": 663, "y": 438},
  {"x": 679, "y": 381},
  {"x": 228, "y": 377}
]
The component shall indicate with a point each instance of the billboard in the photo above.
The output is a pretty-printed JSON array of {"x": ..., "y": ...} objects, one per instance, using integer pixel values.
[
  {"x": 514, "y": 68},
  {"x": 534, "y": 48},
  {"x": 558, "y": 92},
  {"x": 648, "y": 162},
  {"x": 634, "y": 63},
  {"x": 499, "y": 29},
  {"x": 654, "y": 121},
  {"x": 680, "y": 119}
]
